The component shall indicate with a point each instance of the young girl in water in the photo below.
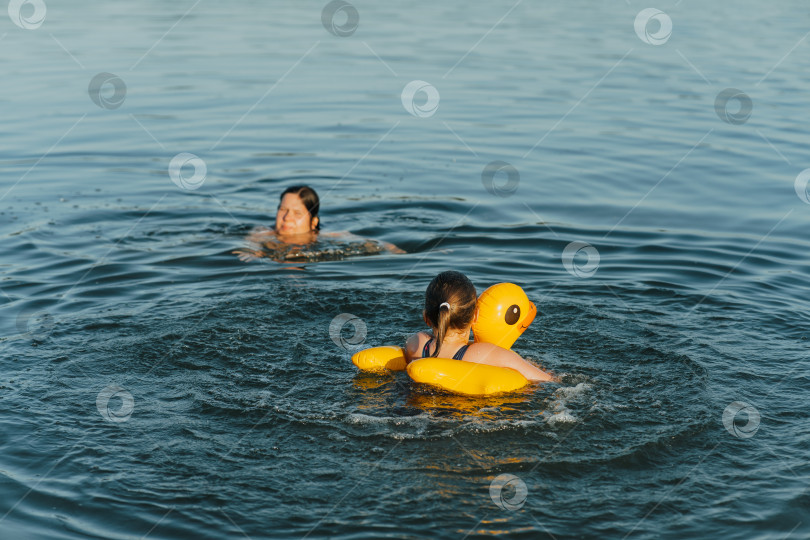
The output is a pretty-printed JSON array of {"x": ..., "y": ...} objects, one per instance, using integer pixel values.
[{"x": 450, "y": 310}]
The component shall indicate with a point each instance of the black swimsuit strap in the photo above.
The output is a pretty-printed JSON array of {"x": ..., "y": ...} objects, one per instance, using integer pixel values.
[
  {"x": 458, "y": 356},
  {"x": 426, "y": 348},
  {"x": 460, "y": 353}
]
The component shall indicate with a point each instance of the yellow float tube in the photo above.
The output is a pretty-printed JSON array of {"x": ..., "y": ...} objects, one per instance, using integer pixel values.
[{"x": 504, "y": 313}]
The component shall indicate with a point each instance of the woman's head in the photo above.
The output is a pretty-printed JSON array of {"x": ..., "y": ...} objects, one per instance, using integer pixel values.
[
  {"x": 298, "y": 211},
  {"x": 449, "y": 303}
]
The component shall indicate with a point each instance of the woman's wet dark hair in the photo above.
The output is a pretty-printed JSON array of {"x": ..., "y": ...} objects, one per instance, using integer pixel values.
[
  {"x": 309, "y": 198},
  {"x": 449, "y": 303}
]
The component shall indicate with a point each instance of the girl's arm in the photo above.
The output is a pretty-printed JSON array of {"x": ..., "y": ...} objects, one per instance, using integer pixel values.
[{"x": 487, "y": 353}]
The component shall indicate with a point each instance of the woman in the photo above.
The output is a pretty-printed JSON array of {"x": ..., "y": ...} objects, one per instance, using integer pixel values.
[
  {"x": 297, "y": 214},
  {"x": 298, "y": 225}
]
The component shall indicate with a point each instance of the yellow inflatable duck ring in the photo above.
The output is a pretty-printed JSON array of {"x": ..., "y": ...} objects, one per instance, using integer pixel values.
[{"x": 504, "y": 313}]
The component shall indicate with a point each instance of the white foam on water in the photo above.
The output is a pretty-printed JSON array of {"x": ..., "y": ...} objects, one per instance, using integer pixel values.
[
  {"x": 561, "y": 396},
  {"x": 397, "y": 427},
  {"x": 563, "y": 416},
  {"x": 426, "y": 425},
  {"x": 367, "y": 419},
  {"x": 570, "y": 392}
]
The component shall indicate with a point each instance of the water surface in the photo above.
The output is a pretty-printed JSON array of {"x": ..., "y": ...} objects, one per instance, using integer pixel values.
[{"x": 155, "y": 386}]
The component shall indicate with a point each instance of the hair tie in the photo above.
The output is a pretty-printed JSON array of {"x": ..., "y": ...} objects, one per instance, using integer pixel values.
[{"x": 444, "y": 304}]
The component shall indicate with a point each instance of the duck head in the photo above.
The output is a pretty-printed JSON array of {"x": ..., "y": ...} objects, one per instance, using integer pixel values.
[{"x": 504, "y": 312}]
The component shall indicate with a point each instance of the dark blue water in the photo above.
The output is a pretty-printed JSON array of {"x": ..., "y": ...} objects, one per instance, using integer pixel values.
[{"x": 152, "y": 385}]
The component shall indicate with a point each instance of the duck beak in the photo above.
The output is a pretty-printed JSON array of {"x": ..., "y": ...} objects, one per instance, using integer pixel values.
[{"x": 529, "y": 316}]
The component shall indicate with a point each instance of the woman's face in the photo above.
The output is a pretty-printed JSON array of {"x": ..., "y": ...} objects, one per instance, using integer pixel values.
[{"x": 293, "y": 217}]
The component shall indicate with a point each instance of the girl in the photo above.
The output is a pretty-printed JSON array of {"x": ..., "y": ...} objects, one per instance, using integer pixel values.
[{"x": 450, "y": 310}]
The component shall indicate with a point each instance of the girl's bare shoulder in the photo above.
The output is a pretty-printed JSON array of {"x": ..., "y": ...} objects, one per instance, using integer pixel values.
[
  {"x": 487, "y": 352},
  {"x": 415, "y": 343},
  {"x": 486, "y": 347}
]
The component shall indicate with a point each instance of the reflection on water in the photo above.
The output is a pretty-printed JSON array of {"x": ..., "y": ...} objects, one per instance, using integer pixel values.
[
  {"x": 369, "y": 389},
  {"x": 382, "y": 392},
  {"x": 447, "y": 405}
]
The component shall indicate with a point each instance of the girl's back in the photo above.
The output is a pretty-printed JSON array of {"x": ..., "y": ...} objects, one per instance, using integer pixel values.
[{"x": 422, "y": 345}]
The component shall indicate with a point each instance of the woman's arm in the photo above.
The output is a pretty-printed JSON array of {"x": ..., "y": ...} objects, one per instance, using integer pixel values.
[
  {"x": 487, "y": 353},
  {"x": 371, "y": 245},
  {"x": 254, "y": 239},
  {"x": 391, "y": 248},
  {"x": 248, "y": 255}
]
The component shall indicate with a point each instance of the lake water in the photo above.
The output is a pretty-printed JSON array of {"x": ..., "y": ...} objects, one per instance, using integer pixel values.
[{"x": 153, "y": 385}]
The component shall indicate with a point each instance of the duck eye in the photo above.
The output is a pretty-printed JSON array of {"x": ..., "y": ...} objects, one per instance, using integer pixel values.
[{"x": 512, "y": 314}]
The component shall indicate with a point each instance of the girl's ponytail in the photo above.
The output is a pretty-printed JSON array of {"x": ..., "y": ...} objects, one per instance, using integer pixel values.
[
  {"x": 441, "y": 327},
  {"x": 449, "y": 304}
]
